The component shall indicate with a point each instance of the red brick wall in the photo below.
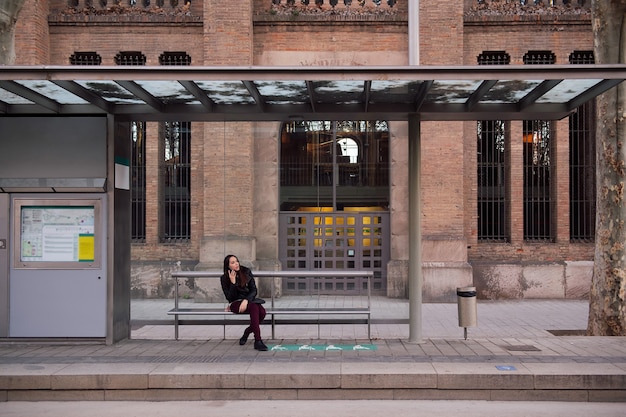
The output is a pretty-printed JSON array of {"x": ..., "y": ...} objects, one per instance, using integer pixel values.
[
  {"x": 517, "y": 35},
  {"x": 109, "y": 40},
  {"x": 238, "y": 35},
  {"x": 441, "y": 32},
  {"x": 228, "y": 37},
  {"x": 31, "y": 34}
]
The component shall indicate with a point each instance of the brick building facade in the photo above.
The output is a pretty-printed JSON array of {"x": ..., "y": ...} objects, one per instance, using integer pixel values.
[{"x": 234, "y": 169}]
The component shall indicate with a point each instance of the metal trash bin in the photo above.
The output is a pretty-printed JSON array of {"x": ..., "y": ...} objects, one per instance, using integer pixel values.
[{"x": 466, "y": 300}]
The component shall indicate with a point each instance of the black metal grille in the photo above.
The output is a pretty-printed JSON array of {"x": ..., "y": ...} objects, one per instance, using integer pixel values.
[
  {"x": 138, "y": 181},
  {"x": 334, "y": 241},
  {"x": 537, "y": 138},
  {"x": 582, "y": 57},
  {"x": 494, "y": 58},
  {"x": 138, "y": 160},
  {"x": 176, "y": 175},
  {"x": 539, "y": 57},
  {"x": 492, "y": 198},
  {"x": 130, "y": 58},
  {"x": 85, "y": 58},
  {"x": 175, "y": 58},
  {"x": 319, "y": 167},
  {"x": 582, "y": 143},
  {"x": 492, "y": 181},
  {"x": 176, "y": 169}
]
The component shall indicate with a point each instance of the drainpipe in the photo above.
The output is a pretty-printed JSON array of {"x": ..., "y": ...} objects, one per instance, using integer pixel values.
[
  {"x": 414, "y": 32},
  {"x": 415, "y": 279}
]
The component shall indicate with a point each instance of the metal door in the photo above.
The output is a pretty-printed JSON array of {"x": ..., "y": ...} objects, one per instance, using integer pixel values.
[{"x": 334, "y": 241}]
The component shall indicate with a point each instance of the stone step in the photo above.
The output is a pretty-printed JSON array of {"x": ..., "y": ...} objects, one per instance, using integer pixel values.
[{"x": 352, "y": 380}]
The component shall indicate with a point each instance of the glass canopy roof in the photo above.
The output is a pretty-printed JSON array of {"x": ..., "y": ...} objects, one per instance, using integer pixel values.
[{"x": 505, "y": 92}]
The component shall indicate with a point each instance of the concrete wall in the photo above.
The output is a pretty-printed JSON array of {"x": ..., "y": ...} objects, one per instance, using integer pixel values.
[{"x": 549, "y": 280}]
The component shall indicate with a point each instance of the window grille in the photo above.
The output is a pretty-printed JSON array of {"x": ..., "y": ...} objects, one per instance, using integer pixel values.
[
  {"x": 174, "y": 58},
  {"x": 334, "y": 241},
  {"x": 537, "y": 135},
  {"x": 537, "y": 140},
  {"x": 492, "y": 198},
  {"x": 539, "y": 57},
  {"x": 582, "y": 163},
  {"x": 494, "y": 58},
  {"x": 138, "y": 160},
  {"x": 138, "y": 181},
  {"x": 130, "y": 58},
  {"x": 85, "y": 58},
  {"x": 176, "y": 169},
  {"x": 329, "y": 164},
  {"x": 333, "y": 3},
  {"x": 176, "y": 176},
  {"x": 132, "y": 3},
  {"x": 582, "y": 57},
  {"x": 492, "y": 181}
]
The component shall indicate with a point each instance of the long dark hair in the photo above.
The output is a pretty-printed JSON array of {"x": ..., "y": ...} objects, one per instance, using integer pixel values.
[{"x": 242, "y": 275}]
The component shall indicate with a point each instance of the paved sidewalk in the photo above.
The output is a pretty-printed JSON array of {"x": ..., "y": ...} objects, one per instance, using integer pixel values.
[
  {"x": 521, "y": 350},
  {"x": 498, "y": 319}
]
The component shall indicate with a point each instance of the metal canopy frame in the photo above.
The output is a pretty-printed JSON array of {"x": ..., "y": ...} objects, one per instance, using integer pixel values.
[
  {"x": 161, "y": 93},
  {"x": 413, "y": 94}
]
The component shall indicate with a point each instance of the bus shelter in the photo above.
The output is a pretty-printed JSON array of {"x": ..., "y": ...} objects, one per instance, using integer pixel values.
[{"x": 46, "y": 110}]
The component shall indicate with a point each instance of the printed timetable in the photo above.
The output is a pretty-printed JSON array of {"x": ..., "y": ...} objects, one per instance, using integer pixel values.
[{"x": 57, "y": 234}]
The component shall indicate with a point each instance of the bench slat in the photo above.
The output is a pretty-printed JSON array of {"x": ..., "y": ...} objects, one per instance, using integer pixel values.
[{"x": 204, "y": 311}]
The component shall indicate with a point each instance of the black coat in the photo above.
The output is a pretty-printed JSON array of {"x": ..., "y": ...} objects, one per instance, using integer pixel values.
[{"x": 234, "y": 292}]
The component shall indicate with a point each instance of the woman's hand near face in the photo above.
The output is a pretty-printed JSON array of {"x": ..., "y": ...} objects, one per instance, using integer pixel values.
[
  {"x": 243, "y": 306},
  {"x": 232, "y": 275}
]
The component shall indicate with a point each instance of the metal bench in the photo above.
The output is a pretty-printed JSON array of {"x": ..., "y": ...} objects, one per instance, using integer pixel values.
[{"x": 359, "y": 314}]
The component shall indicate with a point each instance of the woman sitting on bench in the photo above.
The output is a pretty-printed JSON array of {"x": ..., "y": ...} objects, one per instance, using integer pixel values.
[{"x": 240, "y": 291}]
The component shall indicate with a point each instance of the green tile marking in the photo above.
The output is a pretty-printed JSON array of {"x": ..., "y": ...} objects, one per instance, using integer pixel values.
[{"x": 330, "y": 347}]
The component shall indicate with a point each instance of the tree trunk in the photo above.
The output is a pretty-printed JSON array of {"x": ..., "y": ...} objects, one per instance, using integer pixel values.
[
  {"x": 9, "y": 10},
  {"x": 607, "y": 308}
]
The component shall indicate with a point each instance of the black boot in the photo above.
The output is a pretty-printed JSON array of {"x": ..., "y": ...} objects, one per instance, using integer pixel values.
[
  {"x": 259, "y": 345},
  {"x": 244, "y": 338}
]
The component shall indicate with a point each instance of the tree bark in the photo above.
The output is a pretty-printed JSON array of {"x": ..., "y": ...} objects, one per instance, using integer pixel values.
[
  {"x": 9, "y": 9},
  {"x": 607, "y": 307}
]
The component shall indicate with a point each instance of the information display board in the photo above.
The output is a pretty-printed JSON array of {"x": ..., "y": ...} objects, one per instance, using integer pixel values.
[{"x": 57, "y": 235}]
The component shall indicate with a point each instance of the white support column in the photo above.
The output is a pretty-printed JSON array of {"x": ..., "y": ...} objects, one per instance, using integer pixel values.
[{"x": 416, "y": 277}]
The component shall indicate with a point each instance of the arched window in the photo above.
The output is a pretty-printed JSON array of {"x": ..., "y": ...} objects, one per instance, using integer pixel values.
[{"x": 334, "y": 165}]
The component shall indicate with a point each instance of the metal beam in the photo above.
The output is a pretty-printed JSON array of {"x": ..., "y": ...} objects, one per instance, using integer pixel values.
[
  {"x": 199, "y": 94},
  {"x": 479, "y": 93},
  {"x": 142, "y": 94},
  {"x": 254, "y": 92},
  {"x": 537, "y": 92},
  {"x": 312, "y": 95},
  {"x": 416, "y": 277},
  {"x": 225, "y": 73},
  {"x": 28, "y": 94},
  {"x": 367, "y": 92},
  {"x": 85, "y": 94},
  {"x": 420, "y": 97},
  {"x": 592, "y": 92}
]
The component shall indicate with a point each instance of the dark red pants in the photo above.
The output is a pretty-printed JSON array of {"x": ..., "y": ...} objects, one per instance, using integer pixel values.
[{"x": 257, "y": 314}]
